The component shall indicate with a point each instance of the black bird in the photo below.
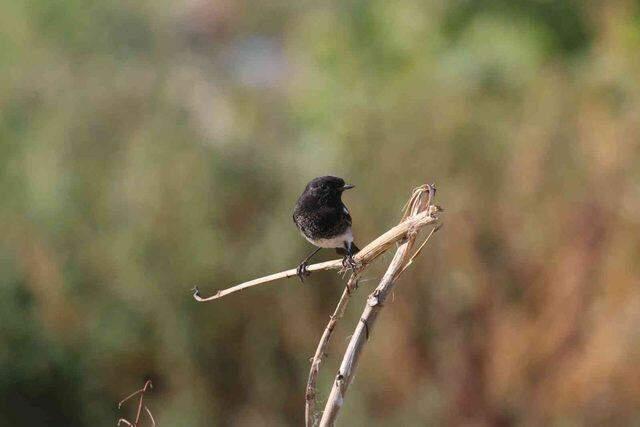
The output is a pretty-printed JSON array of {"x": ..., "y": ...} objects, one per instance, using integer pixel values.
[{"x": 324, "y": 220}]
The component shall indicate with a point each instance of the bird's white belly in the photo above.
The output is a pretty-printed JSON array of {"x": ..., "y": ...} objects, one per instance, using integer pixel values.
[{"x": 334, "y": 242}]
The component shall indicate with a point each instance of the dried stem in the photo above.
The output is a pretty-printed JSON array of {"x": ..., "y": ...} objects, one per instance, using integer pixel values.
[
  {"x": 147, "y": 386},
  {"x": 363, "y": 258},
  {"x": 310, "y": 395},
  {"x": 418, "y": 213},
  {"x": 417, "y": 206}
]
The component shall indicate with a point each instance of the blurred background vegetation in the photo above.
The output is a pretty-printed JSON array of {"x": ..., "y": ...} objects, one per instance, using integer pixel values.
[{"x": 147, "y": 146}]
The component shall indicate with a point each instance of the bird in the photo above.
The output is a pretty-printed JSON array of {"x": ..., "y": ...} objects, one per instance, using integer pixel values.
[{"x": 324, "y": 220}]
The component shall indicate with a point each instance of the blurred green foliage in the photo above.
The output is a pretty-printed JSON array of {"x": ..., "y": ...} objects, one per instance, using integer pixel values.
[{"x": 146, "y": 147}]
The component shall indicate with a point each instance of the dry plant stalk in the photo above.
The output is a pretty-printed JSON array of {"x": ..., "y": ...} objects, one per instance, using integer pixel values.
[
  {"x": 363, "y": 258},
  {"x": 418, "y": 213},
  {"x": 310, "y": 395},
  {"x": 419, "y": 205},
  {"x": 147, "y": 386}
]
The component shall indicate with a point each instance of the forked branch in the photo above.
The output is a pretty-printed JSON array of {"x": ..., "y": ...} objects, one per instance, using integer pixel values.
[
  {"x": 147, "y": 386},
  {"x": 419, "y": 204},
  {"x": 363, "y": 258},
  {"x": 310, "y": 395},
  {"x": 418, "y": 213}
]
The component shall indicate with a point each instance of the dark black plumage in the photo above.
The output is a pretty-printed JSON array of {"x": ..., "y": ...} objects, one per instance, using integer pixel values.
[{"x": 324, "y": 220}]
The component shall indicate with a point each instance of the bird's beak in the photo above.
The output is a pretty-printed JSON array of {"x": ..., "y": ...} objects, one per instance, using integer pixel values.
[{"x": 346, "y": 187}]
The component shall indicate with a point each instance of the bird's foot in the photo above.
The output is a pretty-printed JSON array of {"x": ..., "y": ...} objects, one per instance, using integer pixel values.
[
  {"x": 349, "y": 262},
  {"x": 302, "y": 271}
]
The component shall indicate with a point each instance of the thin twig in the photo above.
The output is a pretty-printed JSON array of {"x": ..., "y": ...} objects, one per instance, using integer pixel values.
[
  {"x": 417, "y": 252},
  {"x": 327, "y": 265},
  {"x": 416, "y": 206},
  {"x": 153, "y": 421},
  {"x": 310, "y": 395},
  {"x": 141, "y": 392},
  {"x": 363, "y": 258},
  {"x": 147, "y": 384}
]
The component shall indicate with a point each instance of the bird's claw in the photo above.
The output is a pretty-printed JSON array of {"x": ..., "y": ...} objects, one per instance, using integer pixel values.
[
  {"x": 302, "y": 271},
  {"x": 349, "y": 262}
]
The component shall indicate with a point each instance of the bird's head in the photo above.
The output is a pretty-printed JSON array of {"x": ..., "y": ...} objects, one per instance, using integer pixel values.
[{"x": 328, "y": 186}]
